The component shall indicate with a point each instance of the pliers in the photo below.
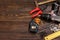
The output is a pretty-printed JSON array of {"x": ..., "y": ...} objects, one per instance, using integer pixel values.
[{"x": 38, "y": 12}]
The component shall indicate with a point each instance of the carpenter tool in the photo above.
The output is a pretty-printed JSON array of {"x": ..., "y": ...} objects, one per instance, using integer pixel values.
[
  {"x": 52, "y": 36},
  {"x": 38, "y": 10},
  {"x": 34, "y": 23}
]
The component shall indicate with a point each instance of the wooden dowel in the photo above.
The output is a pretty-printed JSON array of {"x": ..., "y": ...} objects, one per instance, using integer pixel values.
[
  {"x": 36, "y": 3},
  {"x": 46, "y": 2}
]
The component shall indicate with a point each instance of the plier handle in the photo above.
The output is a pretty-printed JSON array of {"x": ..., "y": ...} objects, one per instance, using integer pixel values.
[{"x": 38, "y": 12}]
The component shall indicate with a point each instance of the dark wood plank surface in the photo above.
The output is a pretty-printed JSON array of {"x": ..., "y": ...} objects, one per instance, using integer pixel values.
[{"x": 14, "y": 20}]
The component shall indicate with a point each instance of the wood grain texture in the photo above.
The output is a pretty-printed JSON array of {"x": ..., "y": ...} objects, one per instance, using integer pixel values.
[{"x": 14, "y": 20}]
